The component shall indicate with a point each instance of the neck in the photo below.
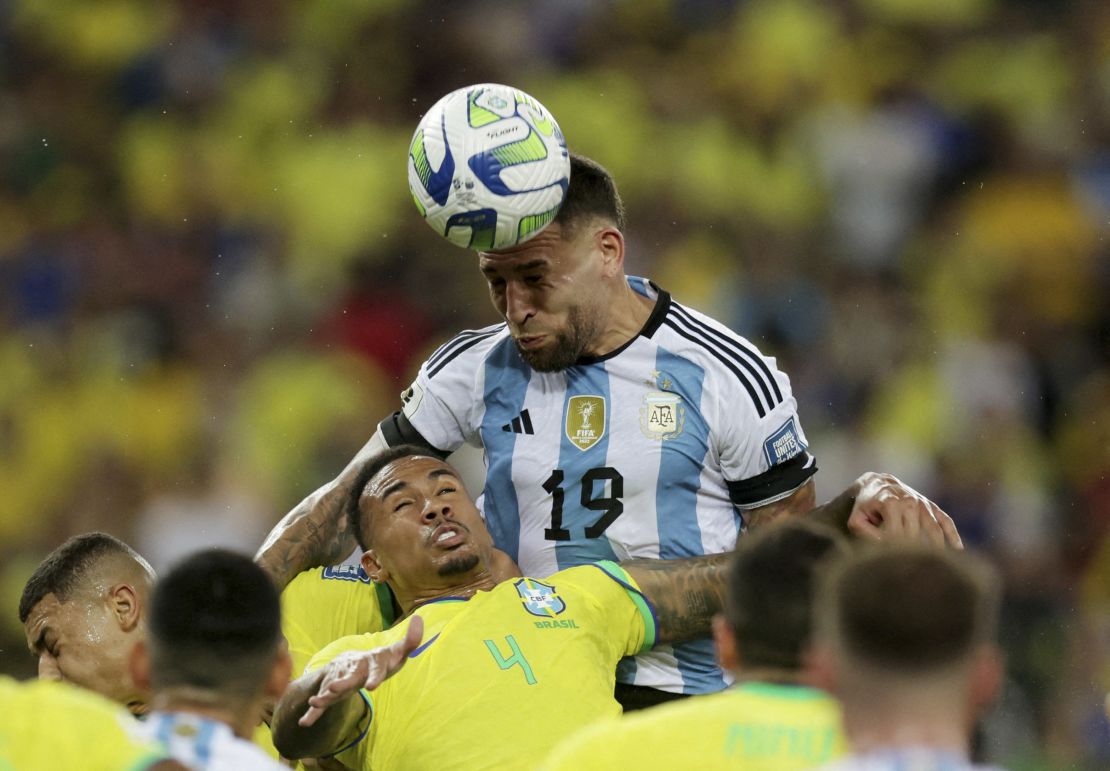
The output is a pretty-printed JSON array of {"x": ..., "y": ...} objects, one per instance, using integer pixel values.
[
  {"x": 241, "y": 717},
  {"x": 628, "y": 311},
  {"x": 779, "y": 675},
  {"x": 880, "y": 724},
  {"x": 410, "y": 599}
]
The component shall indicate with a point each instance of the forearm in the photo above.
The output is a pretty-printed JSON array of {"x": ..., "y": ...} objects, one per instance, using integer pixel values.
[
  {"x": 686, "y": 593},
  {"x": 336, "y": 726},
  {"x": 316, "y": 532},
  {"x": 835, "y": 513}
]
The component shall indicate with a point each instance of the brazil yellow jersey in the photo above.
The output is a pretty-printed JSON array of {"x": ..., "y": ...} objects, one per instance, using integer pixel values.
[
  {"x": 758, "y": 726},
  {"x": 47, "y": 725},
  {"x": 323, "y": 604},
  {"x": 501, "y": 677}
]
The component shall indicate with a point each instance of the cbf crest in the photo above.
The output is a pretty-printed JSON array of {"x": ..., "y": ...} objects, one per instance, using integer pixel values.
[
  {"x": 539, "y": 599},
  {"x": 662, "y": 414},
  {"x": 585, "y": 421}
]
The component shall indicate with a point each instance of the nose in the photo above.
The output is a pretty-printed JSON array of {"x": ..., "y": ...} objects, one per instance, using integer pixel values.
[
  {"x": 518, "y": 303},
  {"x": 434, "y": 510},
  {"x": 48, "y": 668}
]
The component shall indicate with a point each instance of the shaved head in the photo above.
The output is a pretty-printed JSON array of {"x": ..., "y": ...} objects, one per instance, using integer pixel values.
[{"x": 84, "y": 563}]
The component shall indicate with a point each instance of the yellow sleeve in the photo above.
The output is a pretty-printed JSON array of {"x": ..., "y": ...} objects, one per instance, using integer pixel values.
[
  {"x": 628, "y": 617},
  {"x": 324, "y": 604}
]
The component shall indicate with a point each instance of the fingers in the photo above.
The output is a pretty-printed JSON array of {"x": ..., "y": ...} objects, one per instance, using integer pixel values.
[
  {"x": 311, "y": 715},
  {"x": 888, "y": 509},
  {"x": 413, "y": 635},
  {"x": 948, "y": 528}
]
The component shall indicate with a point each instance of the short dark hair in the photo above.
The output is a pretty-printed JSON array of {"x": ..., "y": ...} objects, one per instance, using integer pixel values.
[
  {"x": 63, "y": 570},
  {"x": 591, "y": 193},
  {"x": 368, "y": 471},
  {"x": 771, "y": 588},
  {"x": 909, "y": 608},
  {"x": 214, "y": 624}
]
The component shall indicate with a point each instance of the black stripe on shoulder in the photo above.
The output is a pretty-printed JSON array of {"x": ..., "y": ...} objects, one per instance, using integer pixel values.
[
  {"x": 744, "y": 380},
  {"x": 462, "y": 346},
  {"x": 737, "y": 345},
  {"x": 774, "y": 484},
  {"x": 466, "y": 334}
]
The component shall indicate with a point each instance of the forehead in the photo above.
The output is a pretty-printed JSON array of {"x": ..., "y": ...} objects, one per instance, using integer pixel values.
[
  {"x": 405, "y": 471},
  {"x": 49, "y": 610},
  {"x": 548, "y": 246}
]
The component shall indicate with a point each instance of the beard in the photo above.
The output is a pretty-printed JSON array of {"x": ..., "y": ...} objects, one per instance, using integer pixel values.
[
  {"x": 567, "y": 347},
  {"x": 455, "y": 566}
]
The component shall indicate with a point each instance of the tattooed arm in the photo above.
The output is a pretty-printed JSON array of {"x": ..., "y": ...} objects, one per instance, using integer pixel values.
[
  {"x": 686, "y": 593},
  {"x": 316, "y": 532},
  {"x": 874, "y": 507}
]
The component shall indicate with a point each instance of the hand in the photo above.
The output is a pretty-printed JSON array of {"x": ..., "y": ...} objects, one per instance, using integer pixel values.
[
  {"x": 885, "y": 508},
  {"x": 352, "y": 670}
]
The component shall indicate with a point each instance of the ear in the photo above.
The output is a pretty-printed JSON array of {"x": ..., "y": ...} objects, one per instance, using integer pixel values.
[
  {"x": 819, "y": 668},
  {"x": 373, "y": 567},
  {"x": 986, "y": 678},
  {"x": 126, "y": 606},
  {"x": 610, "y": 242},
  {"x": 280, "y": 674},
  {"x": 139, "y": 664},
  {"x": 727, "y": 654}
]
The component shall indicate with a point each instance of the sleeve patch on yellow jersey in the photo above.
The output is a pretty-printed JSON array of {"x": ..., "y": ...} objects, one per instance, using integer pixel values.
[
  {"x": 643, "y": 605},
  {"x": 346, "y": 572}
]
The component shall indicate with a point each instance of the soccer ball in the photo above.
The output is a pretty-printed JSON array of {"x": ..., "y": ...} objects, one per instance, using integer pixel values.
[{"x": 488, "y": 167}]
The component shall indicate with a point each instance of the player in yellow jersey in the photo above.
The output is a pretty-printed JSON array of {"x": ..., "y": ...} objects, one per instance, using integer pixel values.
[
  {"x": 49, "y": 725},
  {"x": 326, "y": 603},
  {"x": 768, "y": 720},
  {"x": 494, "y": 673}
]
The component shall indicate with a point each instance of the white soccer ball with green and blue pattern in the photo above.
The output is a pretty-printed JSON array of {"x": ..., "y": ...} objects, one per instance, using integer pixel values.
[{"x": 488, "y": 167}]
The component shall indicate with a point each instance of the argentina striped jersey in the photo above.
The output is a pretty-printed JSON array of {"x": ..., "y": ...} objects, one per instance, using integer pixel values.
[
  {"x": 653, "y": 450},
  {"x": 204, "y": 744}
]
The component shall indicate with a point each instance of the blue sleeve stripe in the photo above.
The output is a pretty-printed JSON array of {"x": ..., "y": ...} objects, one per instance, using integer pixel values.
[{"x": 365, "y": 730}]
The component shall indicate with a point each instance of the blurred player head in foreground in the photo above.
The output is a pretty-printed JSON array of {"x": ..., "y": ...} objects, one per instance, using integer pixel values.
[
  {"x": 563, "y": 292},
  {"x": 766, "y": 623},
  {"x": 905, "y": 637},
  {"x": 214, "y": 645},
  {"x": 83, "y": 610}
]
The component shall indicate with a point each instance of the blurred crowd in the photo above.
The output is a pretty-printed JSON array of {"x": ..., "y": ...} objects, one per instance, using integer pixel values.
[{"x": 213, "y": 282}]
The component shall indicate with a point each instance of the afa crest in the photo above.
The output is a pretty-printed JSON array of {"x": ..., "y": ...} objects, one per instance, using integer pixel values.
[
  {"x": 662, "y": 415},
  {"x": 539, "y": 599}
]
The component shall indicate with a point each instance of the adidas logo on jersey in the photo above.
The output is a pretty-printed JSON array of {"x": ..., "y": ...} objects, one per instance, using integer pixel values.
[{"x": 521, "y": 424}]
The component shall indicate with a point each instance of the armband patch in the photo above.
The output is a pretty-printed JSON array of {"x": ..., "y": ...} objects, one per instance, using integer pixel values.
[
  {"x": 784, "y": 444},
  {"x": 346, "y": 572}
]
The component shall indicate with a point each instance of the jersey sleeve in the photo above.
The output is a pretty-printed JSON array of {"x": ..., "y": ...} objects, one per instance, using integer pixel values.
[
  {"x": 325, "y": 604},
  {"x": 763, "y": 451},
  {"x": 624, "y": 614},
  {"x": 443, "y": 406}
]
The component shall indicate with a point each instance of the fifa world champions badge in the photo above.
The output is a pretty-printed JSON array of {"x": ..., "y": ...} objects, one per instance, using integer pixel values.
[{"x": 585, "y": 421}]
